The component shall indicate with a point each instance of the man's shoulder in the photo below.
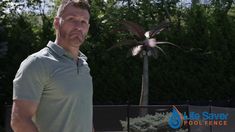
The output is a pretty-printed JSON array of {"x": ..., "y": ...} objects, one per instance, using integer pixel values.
[
  {"x": 36, "y": 58},
  {"x": 42, "y": 54}
]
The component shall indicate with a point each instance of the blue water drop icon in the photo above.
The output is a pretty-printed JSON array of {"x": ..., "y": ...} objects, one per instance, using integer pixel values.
[{"x": 175, "y": 121}]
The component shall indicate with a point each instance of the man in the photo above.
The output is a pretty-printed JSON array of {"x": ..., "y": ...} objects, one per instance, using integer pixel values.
[{"x": 52, "y": 90}]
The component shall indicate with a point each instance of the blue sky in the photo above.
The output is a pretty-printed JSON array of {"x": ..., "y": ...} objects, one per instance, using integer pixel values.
[{"x": 12, "y": 4}]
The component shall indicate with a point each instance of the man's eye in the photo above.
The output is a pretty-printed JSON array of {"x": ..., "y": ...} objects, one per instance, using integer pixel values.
[
  {"x": 70, "y": 19},
  {"x": 84, "y": 22}
]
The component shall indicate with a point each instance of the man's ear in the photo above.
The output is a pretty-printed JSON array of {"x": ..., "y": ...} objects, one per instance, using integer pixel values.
[{"x": 56, "y": 23}]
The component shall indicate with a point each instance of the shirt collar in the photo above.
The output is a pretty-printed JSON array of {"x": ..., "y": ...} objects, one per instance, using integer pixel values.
[
  {"x": 60, "y": 51},
  {"x": 82, "y": 56},
  {"x": 56, "y": 48}
]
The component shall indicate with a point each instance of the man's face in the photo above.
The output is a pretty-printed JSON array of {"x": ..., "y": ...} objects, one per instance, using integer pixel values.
[{"x": 73, "y": 26}]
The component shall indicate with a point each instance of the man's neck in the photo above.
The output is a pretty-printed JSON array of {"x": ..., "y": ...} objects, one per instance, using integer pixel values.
[{"x": 74, "y": 51}]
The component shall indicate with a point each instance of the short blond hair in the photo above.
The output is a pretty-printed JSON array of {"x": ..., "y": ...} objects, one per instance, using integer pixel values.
[{"x": 83, "y": 4}]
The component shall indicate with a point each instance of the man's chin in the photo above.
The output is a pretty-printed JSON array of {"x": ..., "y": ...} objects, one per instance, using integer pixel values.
[
  {"x": 76, "y": 43},
  {"x": 76, "y": 38}
]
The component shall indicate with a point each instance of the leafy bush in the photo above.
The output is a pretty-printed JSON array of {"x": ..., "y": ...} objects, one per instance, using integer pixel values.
[
  {"x": 151, "y": 123},
  {"x": 2, "y": 129}
]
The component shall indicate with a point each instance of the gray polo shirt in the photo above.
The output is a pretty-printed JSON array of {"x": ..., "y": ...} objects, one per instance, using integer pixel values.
[{"x": 61, "y": 86}]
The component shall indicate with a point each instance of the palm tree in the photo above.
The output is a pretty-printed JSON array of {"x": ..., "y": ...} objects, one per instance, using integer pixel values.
[{"x": 147, "y": 46}]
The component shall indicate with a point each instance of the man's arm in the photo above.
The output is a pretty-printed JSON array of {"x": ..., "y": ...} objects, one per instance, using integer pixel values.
[{"x": 21, "y": 117}]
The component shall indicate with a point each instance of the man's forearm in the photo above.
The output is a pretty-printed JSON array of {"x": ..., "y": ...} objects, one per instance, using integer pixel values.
[{"x": 23, "y": 126}]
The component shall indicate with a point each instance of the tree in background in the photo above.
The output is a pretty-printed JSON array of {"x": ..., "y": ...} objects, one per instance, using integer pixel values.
[{"x": 25, "y": 32}]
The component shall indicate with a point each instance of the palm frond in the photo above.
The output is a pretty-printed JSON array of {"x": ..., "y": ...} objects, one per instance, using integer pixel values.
[
  {"x": 160, "y": 49},
  {"x": 157, "y": 30},
  {"x": 134, "y": 28},
  {"x": 167, "y": 43},
  {"x": 115, "y": 31},
  {"x": 125, "y": 43},
  {"x": 136, "y": 50}
]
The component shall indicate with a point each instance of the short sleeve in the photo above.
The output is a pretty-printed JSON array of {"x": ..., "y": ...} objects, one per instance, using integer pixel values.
[{"x": 29, "y": 80}]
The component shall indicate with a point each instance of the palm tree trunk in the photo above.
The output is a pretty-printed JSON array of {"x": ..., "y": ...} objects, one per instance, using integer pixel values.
[{"x": 145, "y": 88}]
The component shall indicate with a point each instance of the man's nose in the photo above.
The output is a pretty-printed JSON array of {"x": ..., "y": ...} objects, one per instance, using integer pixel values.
[{"x": 77, "y": 23}]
